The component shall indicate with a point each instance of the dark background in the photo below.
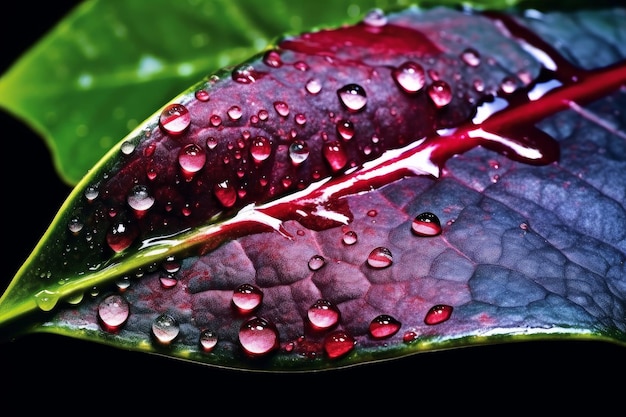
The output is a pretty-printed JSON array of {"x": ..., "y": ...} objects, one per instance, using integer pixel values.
[{"x": 56, "y": 372}]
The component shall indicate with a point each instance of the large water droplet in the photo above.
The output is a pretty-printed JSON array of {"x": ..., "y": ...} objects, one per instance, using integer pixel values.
[
  {"x": 46, "y": 300},
  {"x": 316, "y": 262},
  {"x": 338, "y": 344},
  {"x": 335, "y": 154},
  {"x": 234, "y": 113},
  {"x": 247, "y": 298},
  {"x": 121, "y": 236},
  {"x": 260, "y": 148},
  {"x": 174, "y": 119},
  {"x": 225, "y": 194},
  {"x": 191, "y": 158},
  {"x": 298, "y": 151},
  {"x": 323, "y": 315},
  {"x": 384, "y": 326},
  {"x": 438, "y": 314},
  {"x": 440, "y": 93},
  {"x": 380, "y": 257},
  {"x": 258, "y": 336},
  {"x": 353, "y": 97},
  {"x": 113, "y": 312},
  {"x": 165, "y": 328},
  {"x": 426, "y": 224},
  {"x": 410, "y": 77},
  {"x": 139, "y": 198},
  {"x": 208, "y": 340}
]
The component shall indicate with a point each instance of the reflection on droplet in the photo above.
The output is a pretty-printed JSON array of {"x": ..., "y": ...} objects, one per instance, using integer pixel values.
[
  {"x": 281, "y": 108},
  {"x": 426, "y": 224},
  {"x": 139, "y": 198},
  {"x": 316, "y": 262},
  {"x": 338, "y": 343},
  {"x": 353, "y": 97},
  {"x": 225, "y": 194},
  {"x": 335, "y": 154},
  {"x": 258, "y": 337},
  {"x": 260, "y": 148},
  {"x": 313, "y": 86},
  {"x": 191, "y": 158},
  {"x": 174, "y": 119},
  {"x": 298, "y": 151},
  {"x": 323, "y": 314},
  {"x": 384, "y": 326},
  {"x": 375, "y": 17},
  {"x": 247, "y": 298},
  {"x": 380, "y": 257},
  {"x": 410, "y": 77},
  {"x": 350, "y": 237},
  {"x": 208, "y": 340},
  {"x": 438, "y": 314},
  {"x": 113, "y": 312},
  {"x": 440, "y": 93},
  {"x": 471, "y": 57},
  {"x": 165, "y": 328}
]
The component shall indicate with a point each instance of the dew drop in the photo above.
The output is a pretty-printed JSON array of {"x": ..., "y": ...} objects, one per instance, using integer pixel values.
[
  {"x": 121, "y": 236},
  {"x": 174, "y": 119},
  {"x": 438, "y": 314},
  {"x": 313, "y": 86},
  {"x": 165, "y": 328},
  {"x": 338, "y": 344},
  {"x": 113, "y": 312},
  {"x": 140, "y": 199},
  {"x": 260, "y": 148},
  {"x": 225, "y": 194},
  {"x": 316, "y": 262},
  {"x": 202, "y": 95},
  {"x": 410, "y": 77},
  {"x": 75, "y": 226},
  {"x": 471, "y": 57},
  {"x": 208, "y": 340},
  {"x": 380, "y": 257},
  {"x": 409, "y": 337},
  {"x": 323, "y": 315},
  {"x": 349, "y": 237},
  {"x": 508, "y": 85},
  {"x": 91, "y": 193},
  {"x": 127, "y": 147},
  {"x": 46, "y": 300},
  {"x": 234, "y": 113},
  {"x": 245, "y": 74},
  {"x": 440, "y": 93},
  {"x": 353, "y": 97},
  {"x": 191, "y": 158},
  {"x": 300, "y": 119},
  {"x": 301, "y": 66},
  {"x": 345, "y": 129},
  {"x": 215, "y": 120},
  {"x": 384, "y": 326},
  {"x": 258, "y": 336},
  {"x": 281, "y": 108},
  {"x": 426, "y": 224},
  {"x": 247, "y": 298},
  {"x": 375, "y": 18},
  {"x": 168, "y": 281},
  {"x": 335, "y": 155},
  {"x": 298, "y": 152},
  {"x": 272, "y": 59},
  {"x": 211, "y": 142}
]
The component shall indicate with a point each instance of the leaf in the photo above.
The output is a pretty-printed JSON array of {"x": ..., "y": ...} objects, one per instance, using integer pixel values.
[{"x": 476, "y": 267}]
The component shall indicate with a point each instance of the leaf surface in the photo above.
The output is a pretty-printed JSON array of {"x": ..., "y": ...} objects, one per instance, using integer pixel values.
[{"x": 512, "y": 261}]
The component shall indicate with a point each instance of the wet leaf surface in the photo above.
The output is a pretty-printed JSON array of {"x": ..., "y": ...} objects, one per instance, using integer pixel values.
[{"x": 522, "y": 247}]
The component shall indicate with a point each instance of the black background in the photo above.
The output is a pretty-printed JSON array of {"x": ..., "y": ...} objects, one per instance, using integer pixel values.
[{"x": 50, "y": 372}]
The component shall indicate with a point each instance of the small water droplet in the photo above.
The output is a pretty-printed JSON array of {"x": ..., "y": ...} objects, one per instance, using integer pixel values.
[
  {"x": 353, "y": 97},
  {"x": 281, "y": 108},
  {"x": 258, "y": 336},
  {"x": 440, "y": 93},
  {"x": 372, "y": 213},
  {"x": 247, "y": 298},
  {"x": 272, "y": 59},
  {"x": 380, "y": 257},
  {"x": 508, "y": 85},
  {"x": 301, "y": 66},
  {"x": 174, "y": 119},
  {"x": 316, "y": 262},
  {"x": 202, "y": 95},
  {"x": 46, "y": 300},
  {"x": 314, "y": 86},
  {"x": 300, "y": 119},
  {"x": 438, "y": 314},
  {"x": 323, "y": 315},
  {"x": 471, "y": 57},
  {"x": 121, "y": 236},
  {"x": 384, "y": 326},
  {"x": 215, "y": 120},
  {"x": 91, "y": 193},
  {"x": 349, "y": 237},
  {"x": 410, "y": 77},
  {"x": 375, "y": 17},
  {"x": 168, "y": 281},
  {"x": 113, "y": 312},
  {"x": 234, "y": 112},
  {"x": 335, "y": 154},
  {"x": 208, "y": 340},
  {"x": 245, "y": 74},
  {"x": 345, "y": 129},
  {"x": 140, "y": 199},
  {"x": 75, "y": 226},
  {"x": 298, "y": 152},
  {"x": 211, "y": 142},
  {"x": 260, "y": 148},
  {"x": 426, "y": 224},
  {"x": 127, "y": 147},
  {"x": 165, "y": 328},
  {"x": 225, "y": 194},
  {"x": 338, "y": 344},
  {"x": 409, "y": 337},
  {"x": 191, "y": 158}
]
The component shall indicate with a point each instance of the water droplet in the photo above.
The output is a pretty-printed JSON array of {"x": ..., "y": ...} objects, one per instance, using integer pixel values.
[
  {"x": 215, "y": 120},
  {"x": 272, "y": 59},
  {"x": 258, "y": 336},
  {"x": 225, "y": 193},
  {"x": 338, "y": 344},
  {"x": 384, "y": 326},
  {"x": 314, "y": 86},
  {"x": 349, "y": 237},
  {"x": 234, "y": 113},
  {"x": 508, "y": 85},
  {"x": 471, "y": 57},
  {"x": 372, "y": 213},
  {"x": 208, "y": 340},
  {"x": 409, "y": 337},
  {"x": 260, "y": 148},
  {"x": 174, "y": 119},
  {"x": 375, "y": 17},
  {"x": 426, "y": 224},
  {"x": 245, "y": 74},
  {"x": 345, "y": 129},
  {"x": 211, "y": 142},
  {"x": 353, "y": 97},
  {"x": 301, "y": 66},
  {"x": 113, "y": 312},
  {"x": 75, "y": 226},
  {"x": 165, "y": 328},
  {"x": 191, "y": 158},
  {"x": 91, "y": 193},
  {"x": 380, "y": 257},
  {"x": 247, "y": 298},
  {"x": 121, "y": 236},
  {"x": 139, "y": 198},
  {"x": 335, "y": 155},
  {"x": 440, "y": 93},
  {"x": 127, "y": 147},
  {"x": 168, "y": 281},
  {"x": 298, "y": 152},
  {"x": 46, "y": 300},
  {"x": 410, "y": 77},
  {"x": 316, "y": 262},
  {"x": 300, "y": 119},
  {"x": 438, "y": 314},
  {"x": 323, "y": 315},
  {"x": 281, "y": 108},
  {"x": 202, "y": 95}
]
